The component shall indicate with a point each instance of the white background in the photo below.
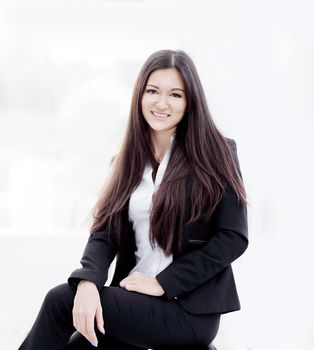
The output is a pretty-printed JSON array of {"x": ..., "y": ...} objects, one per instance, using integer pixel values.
[{"x": 67, "y": 70}]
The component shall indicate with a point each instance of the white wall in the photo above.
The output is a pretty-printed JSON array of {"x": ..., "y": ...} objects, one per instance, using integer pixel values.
[{"x": 67, "y": 70}]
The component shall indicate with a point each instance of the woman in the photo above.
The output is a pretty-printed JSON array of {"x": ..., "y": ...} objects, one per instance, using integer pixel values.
[{"x": 173, "y": 212}]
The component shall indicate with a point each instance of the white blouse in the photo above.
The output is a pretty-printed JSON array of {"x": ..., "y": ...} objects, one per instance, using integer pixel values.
[{"x": 148, "y": 261}]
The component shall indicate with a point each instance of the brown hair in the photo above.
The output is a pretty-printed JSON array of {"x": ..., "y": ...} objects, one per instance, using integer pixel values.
[{"x": 199, "y": 149}]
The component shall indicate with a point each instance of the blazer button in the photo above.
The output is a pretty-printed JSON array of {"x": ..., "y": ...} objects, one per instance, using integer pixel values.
[{"x": 175, "y": 297}]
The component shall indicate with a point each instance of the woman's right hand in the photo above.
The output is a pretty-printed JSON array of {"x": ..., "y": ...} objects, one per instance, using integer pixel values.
[{"x": 86, "y": 307}]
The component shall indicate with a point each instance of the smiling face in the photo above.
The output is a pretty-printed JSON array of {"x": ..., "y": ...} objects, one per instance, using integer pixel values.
[{"x": 164, "y": 100}]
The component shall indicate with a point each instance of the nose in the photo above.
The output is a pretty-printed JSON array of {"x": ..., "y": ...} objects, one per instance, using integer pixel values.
[{"x": 162, "y": 102}]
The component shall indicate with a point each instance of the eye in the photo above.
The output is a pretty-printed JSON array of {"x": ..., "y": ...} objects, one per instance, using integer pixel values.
[
  {"x": 150, "y": 90},
  {"x": 176, "y": 95},
  {"x": 153, "y": 91}
]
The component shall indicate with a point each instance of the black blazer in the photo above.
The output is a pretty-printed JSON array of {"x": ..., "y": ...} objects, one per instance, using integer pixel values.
[{"x": 200, "y": 278}]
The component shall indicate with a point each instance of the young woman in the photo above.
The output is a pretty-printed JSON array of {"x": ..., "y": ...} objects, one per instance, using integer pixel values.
[{"x": 173, "y": 212}]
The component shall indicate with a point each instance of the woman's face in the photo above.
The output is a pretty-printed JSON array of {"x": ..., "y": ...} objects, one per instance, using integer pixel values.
[{"x": 164, "y": 100}]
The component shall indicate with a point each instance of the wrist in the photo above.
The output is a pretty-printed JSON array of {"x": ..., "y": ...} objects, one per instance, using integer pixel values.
[{"x": 86, "y": 283}]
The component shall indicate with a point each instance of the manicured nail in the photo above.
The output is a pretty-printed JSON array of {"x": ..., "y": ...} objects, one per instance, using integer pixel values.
[
  {"x": 94, "y": 343},
  {"x": 102, "y": 330}
]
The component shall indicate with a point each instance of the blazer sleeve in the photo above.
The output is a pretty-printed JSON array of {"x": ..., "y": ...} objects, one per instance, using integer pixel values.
[
  {"x": 98, "y": 254},
  {"x": 227, "y": 243}
]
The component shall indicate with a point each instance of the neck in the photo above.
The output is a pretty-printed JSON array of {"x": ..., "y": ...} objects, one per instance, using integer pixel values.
[{"x": 161, "y": 143}]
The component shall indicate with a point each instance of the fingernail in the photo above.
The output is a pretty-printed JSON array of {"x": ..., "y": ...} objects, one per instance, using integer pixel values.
[
  {"x": 94, "y": 343},
  {"x": 102, "y": 330}
]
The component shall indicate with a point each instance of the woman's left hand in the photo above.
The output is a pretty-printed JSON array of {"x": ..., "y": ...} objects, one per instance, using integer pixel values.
[{"x": 138, "y": 282}]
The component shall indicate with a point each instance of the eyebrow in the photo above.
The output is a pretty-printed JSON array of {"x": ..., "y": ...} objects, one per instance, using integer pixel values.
[{"x": 158, "y": 87}]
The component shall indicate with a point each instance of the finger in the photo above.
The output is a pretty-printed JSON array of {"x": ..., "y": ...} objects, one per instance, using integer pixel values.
[
  {"x": 90, "y": 334},
  {"x": 76, "y": 318},
  {"x": 76, "y": 321},
  {"x": 131, "y": 287},
  {"x": 79, "y": 325},
  {"x": 128, "y": 279},
  {"x": 124, "y": 281},
  {"x": 100, "y": 320},
  {"x": 123, "y": 284},
  {"x": 73, "y": 319}
]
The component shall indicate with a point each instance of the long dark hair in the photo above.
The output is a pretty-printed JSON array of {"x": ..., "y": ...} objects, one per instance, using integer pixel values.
[{"x": 199, "y": 149}]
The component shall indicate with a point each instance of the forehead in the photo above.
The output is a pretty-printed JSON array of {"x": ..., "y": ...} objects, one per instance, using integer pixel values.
[{"x": 166, "y": 78}]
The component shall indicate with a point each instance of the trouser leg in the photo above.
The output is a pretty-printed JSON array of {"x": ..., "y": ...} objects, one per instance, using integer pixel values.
[
  {"x": 53, "y": 326},
  {"x": 136, "y": 319},
  {"x": 154, "y": 322}
]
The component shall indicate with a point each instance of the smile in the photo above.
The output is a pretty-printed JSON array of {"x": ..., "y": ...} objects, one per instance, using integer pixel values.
[{"x": 160, "y": 115}]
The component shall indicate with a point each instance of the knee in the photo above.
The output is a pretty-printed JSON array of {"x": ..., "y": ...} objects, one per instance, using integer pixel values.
[
  {"x": 61, "y": 295},
  {"x": 78, "y": 342}
]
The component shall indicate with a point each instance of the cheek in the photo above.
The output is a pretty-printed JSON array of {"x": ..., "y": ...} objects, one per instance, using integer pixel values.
[
  {"x": 147, "y": 101},
  {"x": 180, "y": 108},
  {"x": 143, "y": 103}
]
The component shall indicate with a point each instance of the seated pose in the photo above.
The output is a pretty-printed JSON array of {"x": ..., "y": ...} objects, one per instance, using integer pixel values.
[{"x": 173, "y": 212}]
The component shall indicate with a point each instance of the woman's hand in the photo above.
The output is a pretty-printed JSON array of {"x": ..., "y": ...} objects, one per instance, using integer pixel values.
[
  {"x": 138, "y": 282},
  {"x": 86, "y": 307}
]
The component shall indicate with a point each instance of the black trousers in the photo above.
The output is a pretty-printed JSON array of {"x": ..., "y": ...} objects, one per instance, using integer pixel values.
[{"x": 131, "y": 320}]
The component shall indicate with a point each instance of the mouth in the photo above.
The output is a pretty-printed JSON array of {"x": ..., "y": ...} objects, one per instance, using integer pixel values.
[{"x": 160, "y": 116}]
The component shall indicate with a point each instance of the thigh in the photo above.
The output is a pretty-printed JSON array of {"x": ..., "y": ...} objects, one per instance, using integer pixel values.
[{"x": 154, "y": 322}]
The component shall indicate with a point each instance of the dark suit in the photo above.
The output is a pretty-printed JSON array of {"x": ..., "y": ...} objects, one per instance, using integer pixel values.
[
  {"x": 201, "y": 277},
  {"x": 198, "y": 284}
]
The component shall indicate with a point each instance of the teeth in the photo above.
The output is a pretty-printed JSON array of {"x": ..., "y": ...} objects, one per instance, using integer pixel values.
[{"x": 160, "y": 115}]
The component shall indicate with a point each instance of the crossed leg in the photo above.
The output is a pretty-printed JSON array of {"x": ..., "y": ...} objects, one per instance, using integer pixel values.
[{"x": 131, "y": 320}]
